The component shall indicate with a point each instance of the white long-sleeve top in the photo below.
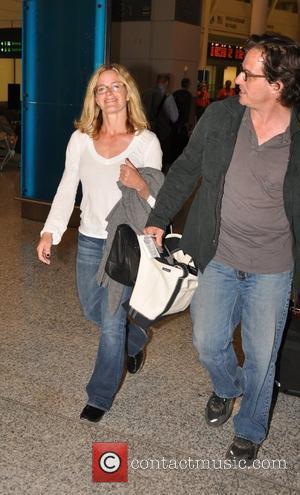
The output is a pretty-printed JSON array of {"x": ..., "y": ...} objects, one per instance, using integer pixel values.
[{"x": 98, "y": 176}]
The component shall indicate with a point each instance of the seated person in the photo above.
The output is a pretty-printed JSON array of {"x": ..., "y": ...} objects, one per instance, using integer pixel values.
[{"x": 7, "y": 132}]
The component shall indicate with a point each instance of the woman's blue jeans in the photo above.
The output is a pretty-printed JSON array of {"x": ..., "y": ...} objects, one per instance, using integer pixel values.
[
  {"x": 115, "y": 333},
  {"x": 224, "y": 298}
]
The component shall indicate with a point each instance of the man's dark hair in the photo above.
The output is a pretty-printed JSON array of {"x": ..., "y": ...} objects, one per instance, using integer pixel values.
[
  {"x": 163, "y": 78},
  {"x": 185, "y": 83},
  {"x": 281, "y": 63}
]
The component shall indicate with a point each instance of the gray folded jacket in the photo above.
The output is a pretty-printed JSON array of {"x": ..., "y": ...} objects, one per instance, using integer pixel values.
[{"x": 134, "y": 211}]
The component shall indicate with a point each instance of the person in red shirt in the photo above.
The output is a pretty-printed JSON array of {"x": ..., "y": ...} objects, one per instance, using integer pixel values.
[
  {"x": 226, "y": 91},
  {"x": 202, "y": 99}
]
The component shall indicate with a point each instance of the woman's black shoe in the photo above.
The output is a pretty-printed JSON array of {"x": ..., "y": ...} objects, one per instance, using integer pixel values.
[
  {"x": 135, "y": 363},
  {"x": 92, "y": 414}
]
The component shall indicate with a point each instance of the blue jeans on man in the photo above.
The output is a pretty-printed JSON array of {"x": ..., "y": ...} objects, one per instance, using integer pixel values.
[
  {"x": 115, "y": 333},
  {"x": 224, "y": 298}
]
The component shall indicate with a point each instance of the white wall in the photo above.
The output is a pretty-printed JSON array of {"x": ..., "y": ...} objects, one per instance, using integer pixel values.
[
  {"x": 9, "y": 74},
  {"x": 10, "y": 13},
  {"x": 10, "y": 69},
  {"x": 150, "y": 47}
]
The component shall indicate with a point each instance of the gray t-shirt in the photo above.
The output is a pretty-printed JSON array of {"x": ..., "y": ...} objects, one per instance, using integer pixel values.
[{"x": 255, "y": 234}]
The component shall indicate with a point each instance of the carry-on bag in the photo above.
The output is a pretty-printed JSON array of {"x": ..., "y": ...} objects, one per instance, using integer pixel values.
[
  {"x": 123, "y": 259},
  {"x": 165, "y": 282},
  {"x": 287, "y": 366}
]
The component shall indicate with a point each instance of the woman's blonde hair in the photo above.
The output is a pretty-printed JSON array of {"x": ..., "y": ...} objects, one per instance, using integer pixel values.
[{"x": 91, "y": 118}]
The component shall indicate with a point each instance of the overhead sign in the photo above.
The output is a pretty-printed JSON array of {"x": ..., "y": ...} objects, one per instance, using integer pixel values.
[
  {"x": 10, "y": 43},
  {"x": 131, "y": 10}
]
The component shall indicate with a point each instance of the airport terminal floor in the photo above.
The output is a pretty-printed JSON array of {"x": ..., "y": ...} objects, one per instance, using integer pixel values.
[{"x": 47, "y": 351}]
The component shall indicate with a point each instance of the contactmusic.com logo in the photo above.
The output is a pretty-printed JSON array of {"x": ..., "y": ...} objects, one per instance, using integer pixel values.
[{"x": 110, "y": 462}]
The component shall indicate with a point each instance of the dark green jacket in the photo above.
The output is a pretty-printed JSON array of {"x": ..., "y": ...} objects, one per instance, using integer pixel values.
[{"x": 208, "y": 154}]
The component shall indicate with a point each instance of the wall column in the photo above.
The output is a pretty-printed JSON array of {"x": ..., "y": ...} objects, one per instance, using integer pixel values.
[
  {"x": 259, "y": 15},
  {"x": 298, "y": 34},
  {"x": 62, "y": 43},
  {"x": 205, "y": 16}
]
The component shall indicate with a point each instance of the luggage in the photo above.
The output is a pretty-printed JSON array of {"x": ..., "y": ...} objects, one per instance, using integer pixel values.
[
  {"x": 165, "y": 281},
  {"x": 287, "y": 376}
]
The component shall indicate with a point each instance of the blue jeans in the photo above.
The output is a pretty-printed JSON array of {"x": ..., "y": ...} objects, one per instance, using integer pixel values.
[
  {"x": 224, "y": 298},
  {"x": 115, "y": 333}
]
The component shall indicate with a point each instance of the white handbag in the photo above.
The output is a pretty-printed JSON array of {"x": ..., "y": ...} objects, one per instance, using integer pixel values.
[{"x": 165, "y": 282}]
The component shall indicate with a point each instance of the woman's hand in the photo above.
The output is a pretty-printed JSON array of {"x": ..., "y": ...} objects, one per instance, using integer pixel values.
[
  {"x": 130, "y": 177},
  {"x": 44, "y": 248}
]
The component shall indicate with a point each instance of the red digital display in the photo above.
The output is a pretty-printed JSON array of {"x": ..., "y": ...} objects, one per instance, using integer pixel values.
[{"x": 221, "y": 50}]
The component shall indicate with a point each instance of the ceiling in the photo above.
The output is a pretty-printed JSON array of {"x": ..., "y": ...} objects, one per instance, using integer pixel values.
[{"x": 11, "y": 10}]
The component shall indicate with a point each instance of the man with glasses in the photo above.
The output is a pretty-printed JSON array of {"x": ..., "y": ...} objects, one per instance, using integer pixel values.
[{"x": 243, "y": 231}]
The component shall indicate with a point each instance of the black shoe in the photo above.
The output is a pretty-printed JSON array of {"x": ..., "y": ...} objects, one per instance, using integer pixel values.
[
  {"x": 242, "y": 451},
  {"x": 218, "y": 410},
  {"x": 92, "y": 414},
  {"x": 135, "y": 363}
]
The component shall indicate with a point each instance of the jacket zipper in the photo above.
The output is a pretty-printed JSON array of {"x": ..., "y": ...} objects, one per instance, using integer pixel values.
[{"x": 218, "y": 210}]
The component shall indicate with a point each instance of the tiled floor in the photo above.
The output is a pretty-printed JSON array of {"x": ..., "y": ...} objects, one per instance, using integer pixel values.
[{"x": 47, "y": 351}]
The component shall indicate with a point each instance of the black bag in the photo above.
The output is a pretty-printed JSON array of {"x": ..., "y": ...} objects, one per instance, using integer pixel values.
[
  {"x": 124, "y": 256},
  {"x": 287, "y": 367}
]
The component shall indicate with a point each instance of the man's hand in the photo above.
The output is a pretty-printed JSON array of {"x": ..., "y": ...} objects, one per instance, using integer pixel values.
[
  {"x": 44, "y": 248},
  {"x": 156, "y": 233}
]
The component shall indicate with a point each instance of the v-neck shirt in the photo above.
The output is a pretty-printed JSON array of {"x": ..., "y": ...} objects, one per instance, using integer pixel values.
[
  {"x": 255, "y": 234},
  {"x": 99, "y": 179}
]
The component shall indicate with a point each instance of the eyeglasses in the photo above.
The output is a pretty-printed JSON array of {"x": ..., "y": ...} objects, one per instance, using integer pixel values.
[
  {"x": 246, "y": 74},
  {"x": 115, "y": 87}
]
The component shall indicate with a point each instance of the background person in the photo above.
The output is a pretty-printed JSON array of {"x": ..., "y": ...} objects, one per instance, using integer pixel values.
[
  {"x": 183, "y": 99},
  {"x": 226, "y": 91},
  {"x": 111, "y": 140},
  {"x": 202, "y": 99},
  {"x": 162, "y": 113},
  {"x": 243, "y": 232}
]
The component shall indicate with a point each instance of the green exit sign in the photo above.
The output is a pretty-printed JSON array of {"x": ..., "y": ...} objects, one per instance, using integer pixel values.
[{"x": 10, "y": 43}]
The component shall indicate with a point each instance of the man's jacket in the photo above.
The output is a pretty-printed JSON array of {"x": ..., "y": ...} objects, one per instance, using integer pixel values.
[{"x": 209, "y": 154}]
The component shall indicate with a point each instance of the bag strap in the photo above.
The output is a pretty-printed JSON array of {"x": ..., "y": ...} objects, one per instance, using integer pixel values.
[
  {"x": 141, "y": 319},
  {"x": 175, "y": 291},
  {"x": 165, "y": 255}
]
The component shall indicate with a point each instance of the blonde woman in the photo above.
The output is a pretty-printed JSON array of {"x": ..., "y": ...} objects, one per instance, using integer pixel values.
[{"x": 111, "y": 143}]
